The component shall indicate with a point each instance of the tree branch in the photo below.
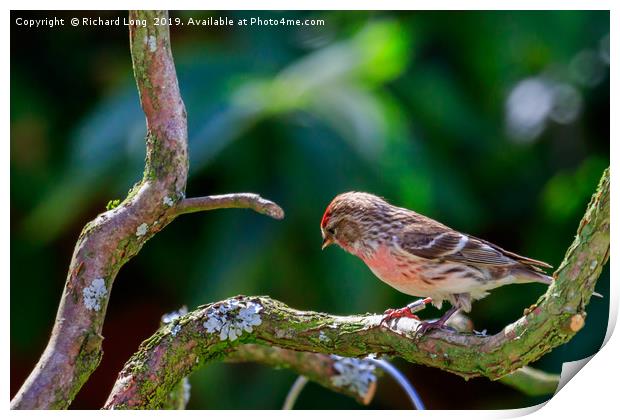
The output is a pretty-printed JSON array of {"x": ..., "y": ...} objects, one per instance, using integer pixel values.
[
  {"x": 527, "y": 380},
  {"x": 227, "y": 201},
  {"x": 360, "y": 382},
  {"x": 325, "y": 370},
  {"x": 532, "y": 382},
  {"x": 213, "y": 331},
  {"x": 114, "y": 237}
]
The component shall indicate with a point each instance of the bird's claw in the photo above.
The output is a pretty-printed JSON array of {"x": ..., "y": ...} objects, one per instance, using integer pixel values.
[
  {"x": 406, "y": 312},
  {"x": 391, "y": 314},
  {"x": 427, "y": 326},
  {"x": 439, "y": 324}
]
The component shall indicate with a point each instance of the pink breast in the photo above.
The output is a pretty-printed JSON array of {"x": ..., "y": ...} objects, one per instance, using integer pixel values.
[
  {"x": 391, "y": 269},
  {"x": 402, "y": 272}
]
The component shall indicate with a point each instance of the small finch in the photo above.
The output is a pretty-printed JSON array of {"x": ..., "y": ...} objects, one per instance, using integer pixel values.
[{"x": 421, "y": 257}]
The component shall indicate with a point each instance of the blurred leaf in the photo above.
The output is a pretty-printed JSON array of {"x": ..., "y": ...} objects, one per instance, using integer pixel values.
[{"x": 564, "y": 195}]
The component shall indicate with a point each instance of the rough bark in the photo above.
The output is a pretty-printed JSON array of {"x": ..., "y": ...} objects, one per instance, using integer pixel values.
[
  {"x": 114, "y": 237},
  {"x": 163, "y": 359}
]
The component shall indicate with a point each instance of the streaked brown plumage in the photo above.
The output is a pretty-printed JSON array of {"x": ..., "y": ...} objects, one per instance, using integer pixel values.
[{"x": 420, "y": 256}]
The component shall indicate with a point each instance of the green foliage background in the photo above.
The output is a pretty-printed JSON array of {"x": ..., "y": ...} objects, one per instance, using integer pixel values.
[{"x": 413, "y": 106}]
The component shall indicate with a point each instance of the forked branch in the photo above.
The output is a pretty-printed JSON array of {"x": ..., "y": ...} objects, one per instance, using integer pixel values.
[{"x": 114, "y": 237}]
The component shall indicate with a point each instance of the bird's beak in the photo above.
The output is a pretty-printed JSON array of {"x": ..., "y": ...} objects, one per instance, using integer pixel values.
[{"x": 327, "y": 241}]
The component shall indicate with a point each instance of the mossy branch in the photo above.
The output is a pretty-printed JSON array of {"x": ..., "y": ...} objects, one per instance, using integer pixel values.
[
  {"x": 114, "y": 237},
  {"x": 228, "y": 201}
]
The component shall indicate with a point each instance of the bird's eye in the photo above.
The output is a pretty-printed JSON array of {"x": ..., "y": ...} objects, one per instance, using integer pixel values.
[{"x": 331, "y": 231}]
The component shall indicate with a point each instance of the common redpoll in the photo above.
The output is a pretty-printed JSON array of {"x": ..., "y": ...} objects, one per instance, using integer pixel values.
[{"x": 421, "y": 257}]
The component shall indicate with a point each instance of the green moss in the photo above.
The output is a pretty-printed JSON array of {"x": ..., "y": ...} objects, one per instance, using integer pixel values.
[
  {"x": 88, "y": 359},
  {"x": 132, "y": 192},
  {"x": 112, "y": 204}
]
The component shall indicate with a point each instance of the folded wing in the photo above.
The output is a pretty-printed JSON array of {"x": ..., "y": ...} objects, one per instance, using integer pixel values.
[{"x": 449, "y": 245}]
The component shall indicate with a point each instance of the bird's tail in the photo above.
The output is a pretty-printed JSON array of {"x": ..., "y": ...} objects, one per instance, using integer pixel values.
[{"x": 530, "y": 276}]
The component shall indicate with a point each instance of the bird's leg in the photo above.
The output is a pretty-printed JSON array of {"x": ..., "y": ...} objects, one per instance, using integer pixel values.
[
  {"x": 406, "y": 312},
  {"x": 426, "y": 326}
]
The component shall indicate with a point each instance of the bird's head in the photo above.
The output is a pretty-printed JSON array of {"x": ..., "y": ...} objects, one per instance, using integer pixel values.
[{"x": 348, "y": 220}]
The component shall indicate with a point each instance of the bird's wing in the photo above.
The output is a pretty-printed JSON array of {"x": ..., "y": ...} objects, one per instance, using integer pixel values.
[
  {"x": 520, "y": 258},
  {"x": 449, "y": 245}
]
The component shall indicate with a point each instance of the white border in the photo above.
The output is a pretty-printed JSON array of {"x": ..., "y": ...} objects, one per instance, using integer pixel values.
[{"x": 593, "y": 391}]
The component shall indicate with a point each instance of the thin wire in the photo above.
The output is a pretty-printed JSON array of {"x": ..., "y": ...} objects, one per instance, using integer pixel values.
[
  {"x": 402, "y": 381},
  {"x": 294, "y": 392}
]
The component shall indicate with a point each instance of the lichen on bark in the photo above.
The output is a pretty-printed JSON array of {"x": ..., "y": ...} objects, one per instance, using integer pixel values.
[{"x": 109, "y": 241}]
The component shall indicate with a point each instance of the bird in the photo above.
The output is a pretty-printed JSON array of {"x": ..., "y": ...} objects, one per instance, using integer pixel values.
[{"x": 422, "y": 257}]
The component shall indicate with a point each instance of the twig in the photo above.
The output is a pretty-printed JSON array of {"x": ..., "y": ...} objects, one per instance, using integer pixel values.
[
  {"x": 294, "y": 392},
  {"x": 227, "y": 201}
]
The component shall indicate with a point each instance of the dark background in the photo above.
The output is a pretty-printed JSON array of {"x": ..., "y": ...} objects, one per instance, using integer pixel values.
[{"x": 495, "y": 123}]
